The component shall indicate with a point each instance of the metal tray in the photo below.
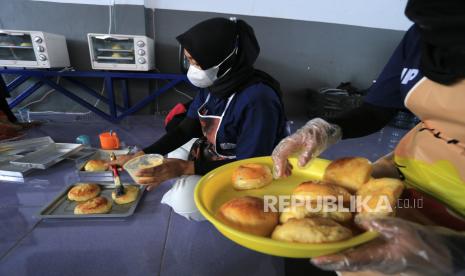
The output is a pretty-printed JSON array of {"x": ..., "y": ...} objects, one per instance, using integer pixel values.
[
  {"x": 115, "y": 50},
  {"x": 62, "y": 208},
  {"x": 11, "y": 172},
  {"x": 104, "y": 176},
  {"x": 47, "y": 156},
  {"x": 22, "y": 146}
]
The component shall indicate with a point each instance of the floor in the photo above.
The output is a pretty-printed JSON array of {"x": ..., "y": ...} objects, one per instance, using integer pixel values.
[{"x": 154, "y": 241}]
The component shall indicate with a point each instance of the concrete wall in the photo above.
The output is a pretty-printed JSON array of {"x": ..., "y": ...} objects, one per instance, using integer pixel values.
[
  {"x": 300, "y": 54},
  {"x": 73, "y": 21}
]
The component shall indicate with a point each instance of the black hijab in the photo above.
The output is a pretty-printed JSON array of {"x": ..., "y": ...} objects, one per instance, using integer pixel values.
[
  {"x": 213, "y": 40},
  {"x": 442, "y": 28}
]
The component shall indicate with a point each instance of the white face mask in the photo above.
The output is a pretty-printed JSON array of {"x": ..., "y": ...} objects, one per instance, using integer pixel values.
[{"x": 205, "y": 78}]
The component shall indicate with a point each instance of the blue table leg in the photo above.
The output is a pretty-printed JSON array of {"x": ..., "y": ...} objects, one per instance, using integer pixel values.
[
  {"x": 150, "y": 98},
  {"x": 75, "y": 98},
  {"x": 3, "y": 88},
  {"x": 124, "y": 89},
  {"x": 91, "y": 92},
  {"x": 17, "y": 82},
  {"x": 26, "y": 93},
  {"x": 111, "y": 96}
]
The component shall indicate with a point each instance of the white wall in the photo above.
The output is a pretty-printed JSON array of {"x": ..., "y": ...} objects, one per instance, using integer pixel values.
[
  {"x": 97, "y": 2},
  {"x": 384, "y": 14}
]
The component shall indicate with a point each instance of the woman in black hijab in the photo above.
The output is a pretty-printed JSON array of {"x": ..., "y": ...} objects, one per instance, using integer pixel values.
[{"x": 237, "y": 114}]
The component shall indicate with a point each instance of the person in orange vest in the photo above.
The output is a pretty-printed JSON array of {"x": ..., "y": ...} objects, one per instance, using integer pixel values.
[{"x": 430, "y": 158}]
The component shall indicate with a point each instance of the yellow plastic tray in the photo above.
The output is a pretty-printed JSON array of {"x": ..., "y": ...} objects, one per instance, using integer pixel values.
[{"x": 215, "y": 188}]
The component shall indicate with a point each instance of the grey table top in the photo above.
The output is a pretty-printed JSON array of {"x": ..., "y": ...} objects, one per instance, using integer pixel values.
[{"x": 154, "y": 241}]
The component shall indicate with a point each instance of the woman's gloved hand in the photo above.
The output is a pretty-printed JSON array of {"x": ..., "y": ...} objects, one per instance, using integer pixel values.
[
  {"x": 309, "y": 141},
  {"x": 404, "y": 247}
]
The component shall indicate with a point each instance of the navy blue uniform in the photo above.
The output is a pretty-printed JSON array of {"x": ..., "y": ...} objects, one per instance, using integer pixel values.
[
  {"x": 400, "y": 74},
  {"x": 252, "y": 125}
]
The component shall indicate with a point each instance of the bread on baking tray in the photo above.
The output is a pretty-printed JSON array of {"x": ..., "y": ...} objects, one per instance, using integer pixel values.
[
  {"x": 83, "y": 191},
  {"x": 98, "y": 205},
  {"x": 130, "y": 194},
  {"x": 96, "y": 166}
]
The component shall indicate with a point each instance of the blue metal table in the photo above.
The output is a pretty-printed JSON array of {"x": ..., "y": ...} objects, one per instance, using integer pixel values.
[{"x": 39, "y": 78}]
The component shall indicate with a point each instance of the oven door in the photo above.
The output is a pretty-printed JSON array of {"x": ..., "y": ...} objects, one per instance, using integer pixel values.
[
  {"x": 109, "y": 50},
  {"x": 16, "y": 49}
]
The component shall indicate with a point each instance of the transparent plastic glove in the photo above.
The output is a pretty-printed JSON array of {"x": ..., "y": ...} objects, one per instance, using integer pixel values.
[
  {"x": 309, "y": 141},
  {"x": 404, "y": 247}
]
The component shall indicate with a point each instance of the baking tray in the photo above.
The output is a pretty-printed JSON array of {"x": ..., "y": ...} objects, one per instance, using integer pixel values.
[
  {"x": 47, "y": 156},
  {"x": 105, "y": 176},
  {"x": 62, "y": 208},
  {"x": 12, "y": 172},
  {"x": 22, "y": 146}
]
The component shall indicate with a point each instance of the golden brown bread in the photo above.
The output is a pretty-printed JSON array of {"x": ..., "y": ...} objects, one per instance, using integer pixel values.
[
  {"x": 348, "y": 172},
  {"x": 311, "y": 230},
  {"x": 130, "y": 194},
  {"x": 83, "y": 191},
  {"x": 96, "y": 166},
  {"x": 380, "y": 195},
  {"x": 314, "y": 190},
  {"x": 251, "y": 176},
  {"x": 301, "y": 211},
  {"x": 98, "y": 205},
  {"x": 247, "y": 214}
]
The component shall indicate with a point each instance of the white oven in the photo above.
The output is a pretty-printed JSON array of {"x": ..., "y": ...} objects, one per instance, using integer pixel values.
[
  {"x": 121, "y": 52},
  {"x": 32, "y": 49}
]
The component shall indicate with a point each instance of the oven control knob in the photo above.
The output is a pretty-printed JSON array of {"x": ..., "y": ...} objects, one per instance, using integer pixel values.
[
  {"x": 141, "y": 60},
  {"x": 40, "y": 49},
  {"x": 42, "y": 57},
  {"x": 141, "y": 52},
  {"x": 38, "y": 39},
  {"x": 140, "y": 43}
]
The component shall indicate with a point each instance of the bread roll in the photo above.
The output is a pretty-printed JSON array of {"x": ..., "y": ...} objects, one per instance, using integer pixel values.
[
  {"x": 83, "y": 192},
  {"x": 311, "y": 230},
  {"x": 130, "y": 194},
  {"x": 96, "y": 166},
  {"x": 380, "y": 195},
  {"x": 349, "y": 172},
  {"x": 313, "y": 190},
  {"x": 251, "y": 176},
  {"x": 247, "y": 214},
  {"x": 301, "y": 211},
  {"x": 98, "y": 205}
]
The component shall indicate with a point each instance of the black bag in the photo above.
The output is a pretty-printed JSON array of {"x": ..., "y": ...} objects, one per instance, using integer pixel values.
[{"x": 329, "y": 102}]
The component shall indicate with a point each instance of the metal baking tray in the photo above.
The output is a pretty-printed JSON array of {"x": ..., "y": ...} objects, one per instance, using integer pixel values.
[
  {"x": 104, "y": 176},
  {"x": 48, "y": 155},
  {"x": 62, "y": 208},
  {"x": 115, "y": 50},
  {"x": 116, "y": 58},
  {"x": 23, "y": 146},
  {"x": 11, "y": 172}
]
